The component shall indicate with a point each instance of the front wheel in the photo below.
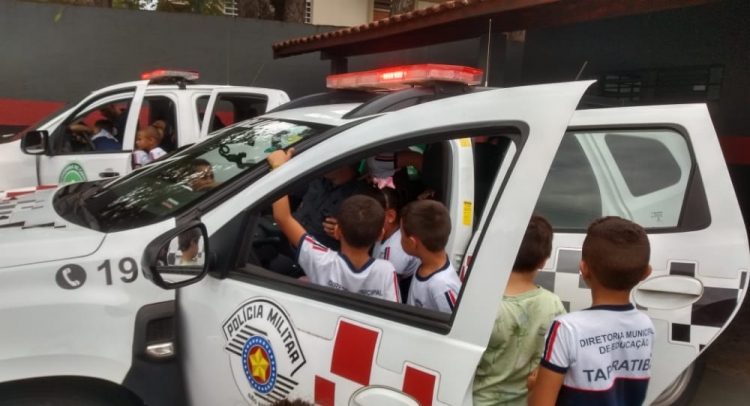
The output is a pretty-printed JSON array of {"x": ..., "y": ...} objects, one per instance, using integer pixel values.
[{"x": 683, "y": 389}]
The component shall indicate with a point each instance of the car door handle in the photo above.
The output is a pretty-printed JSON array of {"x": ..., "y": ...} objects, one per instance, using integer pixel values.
[
  {"x": 108, "y": 174},
  {"x": 668, "y": 292},
  {"x": 681, "y": 285}
]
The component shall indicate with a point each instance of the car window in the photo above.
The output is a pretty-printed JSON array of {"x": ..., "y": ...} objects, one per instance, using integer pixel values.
[
  {"x": 639, "y": 175},
  {"x": 78, "y": 133},
  {"x": 646, "y": 164},
  {"x": 151, "y": 195}
]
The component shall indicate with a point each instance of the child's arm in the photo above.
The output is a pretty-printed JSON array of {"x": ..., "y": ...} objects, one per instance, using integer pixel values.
[
  {"x": 546, "y": 388},
  {"x": 558, "y": 354},
  {"x": 392, "y": 291},
  {"x": 282, "y": 212}
]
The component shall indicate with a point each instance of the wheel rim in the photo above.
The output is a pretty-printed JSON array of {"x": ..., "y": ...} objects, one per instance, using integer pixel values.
[{"x": 676, "y": 388}]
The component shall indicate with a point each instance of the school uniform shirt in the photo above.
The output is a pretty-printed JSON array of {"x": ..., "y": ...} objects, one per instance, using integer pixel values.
[
  {"x": 141, "y": 157},
  {"x": 439, "y": 291},
  {"x": 156, "y": 153},
  {"x": 326, "y": 267},
  {"x": 605, "y": 354},
  {"x": 391, "y": 250}
]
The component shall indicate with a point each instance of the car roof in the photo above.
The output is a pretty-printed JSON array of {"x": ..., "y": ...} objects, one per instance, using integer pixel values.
[{"x": 329, "y": 114}]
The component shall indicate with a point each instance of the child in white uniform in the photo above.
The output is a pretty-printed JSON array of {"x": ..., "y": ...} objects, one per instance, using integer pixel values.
[
  {"x": 425, "y": 229},
  {"x": 359, "y": 224},
  {"x": 389, "y": 247},
  {"x": 147, "y": 146}
]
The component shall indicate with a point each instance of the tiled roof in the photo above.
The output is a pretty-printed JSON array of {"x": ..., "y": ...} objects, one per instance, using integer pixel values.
[
  {"x": 397, "y": 20},
  {"x": 463, "y": 19}
]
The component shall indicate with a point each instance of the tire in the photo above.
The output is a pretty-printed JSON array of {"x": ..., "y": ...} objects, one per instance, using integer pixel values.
[
  {"x": 66, "y": 392},
  {"x": 683, "y": 389}
]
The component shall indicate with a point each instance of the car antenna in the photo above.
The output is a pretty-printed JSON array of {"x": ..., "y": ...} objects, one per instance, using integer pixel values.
[
  {"x": 580, "y": 72},
  {"x": 258, "y": 73},
  {"x": 489, "y": 50}
]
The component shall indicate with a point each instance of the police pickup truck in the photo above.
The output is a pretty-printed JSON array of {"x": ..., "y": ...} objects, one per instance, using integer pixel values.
[
  {"x": 58, "y": 153},
  {"x": 92, "y": 313}
]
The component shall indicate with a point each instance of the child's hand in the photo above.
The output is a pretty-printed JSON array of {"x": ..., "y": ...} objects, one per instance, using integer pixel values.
[
  {"x": 531, "y": 380},
  {"x": 279, "y": 157},
  {"x": 426, "y": 194},
  {"x": 329, "y": 225}
]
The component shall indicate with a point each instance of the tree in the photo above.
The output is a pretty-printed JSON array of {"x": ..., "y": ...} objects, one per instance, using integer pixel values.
[
  {"x": 402, "y": 6},
  {"x": 91, "y": 3},
  {"x": 256, "y": 9},
  {"x": 290, "y": 10},
  {"x": 281, "y": 10}
]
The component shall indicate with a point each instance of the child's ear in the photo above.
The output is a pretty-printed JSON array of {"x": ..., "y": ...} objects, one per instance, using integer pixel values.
[
  {"x": 390, "y": 216},
  {"x": 647, "y": 273},
  {"x": 585, "y": 272}
]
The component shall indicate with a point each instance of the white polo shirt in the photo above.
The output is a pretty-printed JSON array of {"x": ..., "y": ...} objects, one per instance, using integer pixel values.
[
  {"x": 391, "y": 250},
  {"x": 439, "y": 291},
  {"x": 326, "y": 267},
  {"x": 605, "y": 354}
]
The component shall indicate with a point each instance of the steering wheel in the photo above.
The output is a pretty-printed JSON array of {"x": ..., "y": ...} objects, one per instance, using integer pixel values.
[
  {"x": 267, "y": 238},
  {"x": 78, "y": 141}
]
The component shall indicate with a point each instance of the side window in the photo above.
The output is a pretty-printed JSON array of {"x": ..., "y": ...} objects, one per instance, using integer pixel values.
[
  {"x": 161, "y": 112},
  {"x": 201, "y": 103},
  {"x": 268, "y": 252},
  {"x": 98, "y": 127},
  {"x": 641, "y": 175},
  {"x": 231, "y": 108}
]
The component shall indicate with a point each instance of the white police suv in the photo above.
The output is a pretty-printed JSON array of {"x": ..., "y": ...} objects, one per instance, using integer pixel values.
[
  {"x": 81, "y": 320},
  {"x": 54, "y": 153}
]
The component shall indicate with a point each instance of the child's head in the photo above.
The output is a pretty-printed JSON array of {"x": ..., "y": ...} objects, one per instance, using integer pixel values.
[
  {"x": 360, "y": 222},
  {"x": 160, "y": 126},
  {"x": 389, "y": 200},
  {"x": 105, "y": 125},
  {"x": 536, "y": 246},
  {"x": 147, "y": 138},
  {"x": 425, "y": 226},
  {"x": 615, "y": 254}
]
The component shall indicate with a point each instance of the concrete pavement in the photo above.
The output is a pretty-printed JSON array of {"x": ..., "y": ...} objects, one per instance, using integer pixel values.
[{"x": 717, "y": 388}]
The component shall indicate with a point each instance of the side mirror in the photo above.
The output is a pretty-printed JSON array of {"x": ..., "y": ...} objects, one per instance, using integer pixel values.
[
  {"x": 35, "y": 143},
  {"x": 178, "y": 258}
]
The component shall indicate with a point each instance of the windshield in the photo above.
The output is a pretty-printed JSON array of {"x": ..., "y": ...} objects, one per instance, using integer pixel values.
[{"x": 154, "y": 194}]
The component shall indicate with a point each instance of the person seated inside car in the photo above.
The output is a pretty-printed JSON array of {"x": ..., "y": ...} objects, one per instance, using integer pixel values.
[
  {"x": 118, "y": 118},
  {"x": 187, "y": 243},
  {"x": 360, "y": 225},
  {"x": 201, "y": 176},
  {"x": 100, "y": 135},
  {"x": 320, "y": 200}
]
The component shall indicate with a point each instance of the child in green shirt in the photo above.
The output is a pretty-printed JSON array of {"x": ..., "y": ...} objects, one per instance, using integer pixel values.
[{"x": 517, "y": 340}]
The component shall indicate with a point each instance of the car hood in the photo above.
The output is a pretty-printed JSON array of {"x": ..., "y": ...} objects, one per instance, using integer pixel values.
[
  {"x": 32, "y": 232},
  {"x": 17, "y": 170}
]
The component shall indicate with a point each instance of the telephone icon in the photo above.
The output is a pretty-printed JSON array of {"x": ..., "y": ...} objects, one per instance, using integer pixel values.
[
  {"x": 71, "y": 276},
  {"x": 66, "y": 276}
]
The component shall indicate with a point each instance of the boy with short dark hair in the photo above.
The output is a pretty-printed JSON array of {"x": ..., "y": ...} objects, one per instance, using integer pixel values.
[
  {"x": 359, "y": 224},
  {"x": 526, "y": 312},
  {"x": 601, "y": 355},
  {"x": 425, "y": 229}
]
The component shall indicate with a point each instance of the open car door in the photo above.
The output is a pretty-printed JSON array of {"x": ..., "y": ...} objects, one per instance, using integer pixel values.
[{"x": 255, "y": 336}]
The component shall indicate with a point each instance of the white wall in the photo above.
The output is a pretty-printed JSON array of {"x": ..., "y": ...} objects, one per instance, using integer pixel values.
[{"x": 341, "y": 12}]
